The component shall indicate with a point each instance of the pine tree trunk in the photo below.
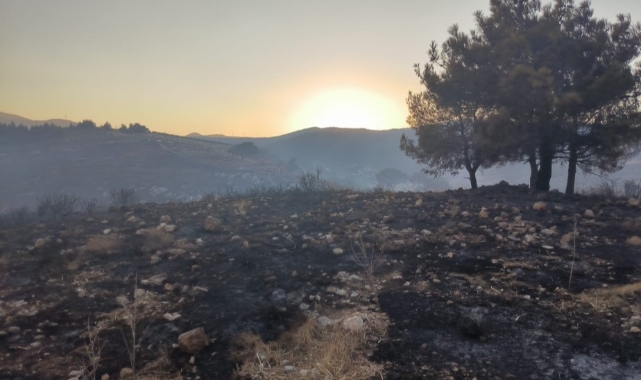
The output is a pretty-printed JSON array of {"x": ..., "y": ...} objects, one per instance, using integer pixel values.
[
  {"x": 546, "y": 154},
  {"x": 572, "y": 162},
  {"x": 534, "y": 170},
  {"x": 473, "y": 182}
]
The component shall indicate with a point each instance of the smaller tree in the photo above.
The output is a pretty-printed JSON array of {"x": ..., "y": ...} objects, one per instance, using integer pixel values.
[
  {"x": 106, "y": 126},
  {"x": 138, "y": 128},
  {"x": 246, "y": 149},
  {"x": 86, "y": 124},
  {"x": 449, "y": 115},
  {"x": 390, "y": 177}
]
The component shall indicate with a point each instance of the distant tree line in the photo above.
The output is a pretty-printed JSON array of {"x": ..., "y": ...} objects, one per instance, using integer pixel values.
[
  {"x": 531, "y": 83},
  {"x": 13, "y": 131}
]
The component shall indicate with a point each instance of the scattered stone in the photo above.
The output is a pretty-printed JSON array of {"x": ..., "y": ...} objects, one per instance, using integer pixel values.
[
  {"x": 139, "y": 293},
  {"x": 271, "y": 279},
  {"x": 14, "y": 330},
  {"x": 634, "y": 240},
  {"x": 634, "y": 202},
  {"x": 303, "y": 306},
  {"x": 338, "y": 251},
  {"x": 235, "y": 238},
  {"x": 211, "y": 224},
  {"x": 39, "y": 243},
  {"x": 156, "y": 280},
  {"x": 484, "y": 214},
  {"x": 353, "y": 323},
  {"x": 171, "y": 316},
  {"x": 122, "y": 300},
  {"x": 126, "y": 372},
  {"x": 325, "y": 321},
  {"x": 193, "y": 341},
  {"x": 418, "y": 202},
  {"x": 589, "y": 214},
  {"x": 635, "y": 330},
  {"x": 540, "y": 206},
  {"x": 165, "y": 219},
  {"x": 167, "y": 227},
  {"x": 107, "y": 231},
  {"x": 104, "y": 377},
  {"x": 337, "y": 291},
  {"x": 288, "y": 368},
  {"x": 195, "y": 268}
]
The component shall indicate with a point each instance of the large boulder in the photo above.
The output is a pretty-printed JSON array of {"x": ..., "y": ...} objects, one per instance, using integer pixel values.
[
  {"x": 540, "y": 206},
  {"x": 211, "y": 224},
  {"x": 193, "y": 341}
]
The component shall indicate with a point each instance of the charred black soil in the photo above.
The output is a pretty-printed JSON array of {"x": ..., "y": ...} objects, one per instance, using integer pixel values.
[{"x": 475, "y": 284}]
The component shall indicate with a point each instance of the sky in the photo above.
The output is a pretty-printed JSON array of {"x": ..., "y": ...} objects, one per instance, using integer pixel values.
[{"x": 233, "y": 67}]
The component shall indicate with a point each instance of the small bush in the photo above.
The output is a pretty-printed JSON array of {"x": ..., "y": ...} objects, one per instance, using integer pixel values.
[
  {"x": 123, "y": 197},
  {"x": 311, "y": 182},
  {"x": 157, "y": 239},
  {"x": 632, "y": 189},
  {"x": 208, "y": 198},
  {"x": 606, "y": 189},
  {"x": 92, "y": 206},
  {"x": 22, "y": 216},
  {"x": 57, "y": 205}
]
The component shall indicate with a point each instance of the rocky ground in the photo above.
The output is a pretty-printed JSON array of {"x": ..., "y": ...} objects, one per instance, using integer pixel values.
[{"x": 479, "y": 284}]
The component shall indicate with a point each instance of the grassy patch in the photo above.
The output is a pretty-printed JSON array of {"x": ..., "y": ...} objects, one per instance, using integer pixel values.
[
  {"x": 312, "y": 350},
  {"x": 103, "y": 244}
]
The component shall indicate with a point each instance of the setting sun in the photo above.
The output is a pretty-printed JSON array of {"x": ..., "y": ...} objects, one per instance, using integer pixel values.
[{"x": 347, "y": 108}]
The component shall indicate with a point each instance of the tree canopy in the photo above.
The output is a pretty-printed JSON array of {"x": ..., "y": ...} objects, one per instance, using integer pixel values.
[{"x": 531, "y": 83}]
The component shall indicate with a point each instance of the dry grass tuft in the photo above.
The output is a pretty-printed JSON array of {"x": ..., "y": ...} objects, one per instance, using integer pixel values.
[
  {"x": 613, "y": 297},
  {"x": 313, "y": 351},
  {"x": 160, "y": 369},
  {"x": 242, "y": 206},
  {"x": 103, "y": 244},
  {"x": 157, "y": 239}
]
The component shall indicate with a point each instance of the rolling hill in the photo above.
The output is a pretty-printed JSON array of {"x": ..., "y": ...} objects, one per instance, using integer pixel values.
[
  {"x": 7, "y": 118},
  {"x": 90, "y": 163}
]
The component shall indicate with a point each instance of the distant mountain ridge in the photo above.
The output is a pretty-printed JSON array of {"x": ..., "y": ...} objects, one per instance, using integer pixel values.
[{"x": 8, "y": 118}]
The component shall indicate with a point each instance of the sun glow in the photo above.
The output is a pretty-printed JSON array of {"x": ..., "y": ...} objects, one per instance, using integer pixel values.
[{"x": 347, "y": 108}]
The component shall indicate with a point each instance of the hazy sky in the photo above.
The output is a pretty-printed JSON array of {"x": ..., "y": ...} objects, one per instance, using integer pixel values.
[{"x": 236, "y": 67}]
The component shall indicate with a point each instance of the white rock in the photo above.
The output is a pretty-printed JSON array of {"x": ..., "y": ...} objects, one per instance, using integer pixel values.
[
  {"x": 171, "y": 316},
  {"x": 539, "y": 206},
  {"x": 353, "y": 323},
  {"x": 338, "y": 251}
]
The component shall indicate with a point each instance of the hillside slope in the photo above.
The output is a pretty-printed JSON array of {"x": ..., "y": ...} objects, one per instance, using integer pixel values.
[{"x": 91, "y": 163}]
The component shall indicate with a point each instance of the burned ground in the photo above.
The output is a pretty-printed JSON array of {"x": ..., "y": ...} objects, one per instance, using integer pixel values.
[{"x": 474, "y": 284}]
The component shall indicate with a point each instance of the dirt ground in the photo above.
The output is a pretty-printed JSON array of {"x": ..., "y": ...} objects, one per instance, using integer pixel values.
[{"x": 474, "y": 284}]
